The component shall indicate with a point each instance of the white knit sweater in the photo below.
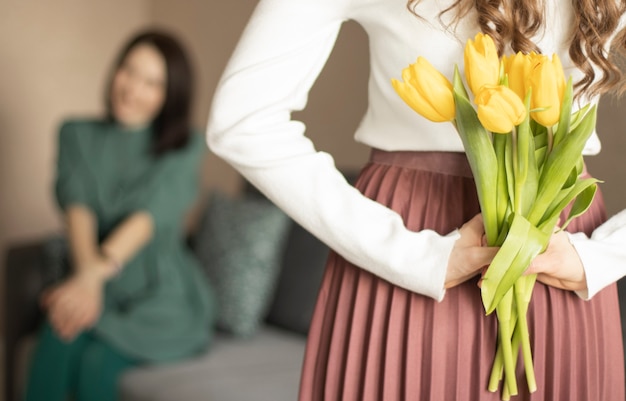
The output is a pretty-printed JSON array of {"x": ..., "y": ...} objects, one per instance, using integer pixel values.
[{"x": 281, "y": 53}]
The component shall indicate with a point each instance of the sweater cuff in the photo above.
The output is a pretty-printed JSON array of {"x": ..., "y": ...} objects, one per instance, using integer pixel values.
[
  {"x": 588, "y": 254},
  {"x": 442, "y": 249}
]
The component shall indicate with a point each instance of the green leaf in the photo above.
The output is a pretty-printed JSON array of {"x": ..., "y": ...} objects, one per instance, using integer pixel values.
[
  {"x": 522, "y": 244},
  {"x": 457, "y": 84},
  {"x": 578, "y": 116},
  {"x": 568, "y": 195},
  {"x": 504, "y": 258},
  {"x": 526, "y": 175},
  {"x": 566, "y": 114},
  {"x": 540, "y": 156},
  {"x": 540, "y": 138},
  {"x": 539, "y": 131},
  {"x": 582, "y": 203},
  {"x": 559, "y": 164},
  {"x": 480, "y": 155},
  {"x": 502, "y": 195},
  {"x": 580, "y": 166},
  {"x": 571, "y": 178},
  {"x": 509, "y": 164},
  {"x": 524, "y": 288}
]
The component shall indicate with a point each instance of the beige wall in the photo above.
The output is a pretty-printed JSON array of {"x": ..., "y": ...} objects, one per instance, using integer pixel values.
[{"x": 610, "y": 164}]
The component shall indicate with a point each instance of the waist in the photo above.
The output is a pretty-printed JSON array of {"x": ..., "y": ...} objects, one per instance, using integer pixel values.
[{"x": 450, "y": 163}]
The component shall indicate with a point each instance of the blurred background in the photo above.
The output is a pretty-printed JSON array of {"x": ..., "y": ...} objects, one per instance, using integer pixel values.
[{"x": 54, "y": 60}]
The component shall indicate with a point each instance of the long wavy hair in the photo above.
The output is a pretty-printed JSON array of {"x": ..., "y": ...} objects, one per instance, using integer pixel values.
[{"x": 514, "y": 22}]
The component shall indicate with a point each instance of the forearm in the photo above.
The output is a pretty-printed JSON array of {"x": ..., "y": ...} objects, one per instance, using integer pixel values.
[
  {"x": 128, "y": 238},
  {"x": 82, "y": 236},
  {"x": 117, "y": 248}
]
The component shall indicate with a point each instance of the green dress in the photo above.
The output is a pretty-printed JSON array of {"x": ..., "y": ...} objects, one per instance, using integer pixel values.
[{"x": 160, "y": 306}]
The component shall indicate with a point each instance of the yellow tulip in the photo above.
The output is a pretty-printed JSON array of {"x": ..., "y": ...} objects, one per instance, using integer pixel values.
[
  {"x": 560, "y": 76},
  {"x": 499, "y": 109},
  {"x": 482, "y": 65},
  {"x": 427, "y": 91},
  {"x": 517, "y": 68},
  {"x": 547, "y": 81}
]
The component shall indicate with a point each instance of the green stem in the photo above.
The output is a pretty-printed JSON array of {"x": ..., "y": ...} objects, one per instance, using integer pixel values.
[
  {"x": 518, "y": 182},
  {"x": 523, "y": 292},
  {"x": 504, "y": 309},
  {"x": 550, "y": 138},
  {"x": 515, "y": 344},
  {"x": 506, "y": 394},
  {"x": 496, "y": 370}
]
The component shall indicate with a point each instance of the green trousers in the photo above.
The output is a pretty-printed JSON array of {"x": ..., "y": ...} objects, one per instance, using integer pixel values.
[{"x": 86, "y": 369}]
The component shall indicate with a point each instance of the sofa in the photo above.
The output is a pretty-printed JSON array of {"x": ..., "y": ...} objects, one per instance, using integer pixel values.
[{"x": 259, "y": 342}]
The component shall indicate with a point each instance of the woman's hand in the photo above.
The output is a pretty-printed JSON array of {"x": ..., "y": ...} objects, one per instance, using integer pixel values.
[
  {"x": 469, "y": 255},
  {"x": 559, "y": 266},
  {"x": 75, "y": 305}
]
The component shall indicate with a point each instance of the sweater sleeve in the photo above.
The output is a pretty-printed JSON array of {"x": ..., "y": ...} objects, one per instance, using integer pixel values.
[
  {"x": 279, "y": 56},
  {"x": 71, "y": 187},
  {"x": 603, "y": 255}
]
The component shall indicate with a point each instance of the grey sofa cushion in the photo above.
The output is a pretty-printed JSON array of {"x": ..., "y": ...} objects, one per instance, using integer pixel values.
[{"x": 264, "y": 367}]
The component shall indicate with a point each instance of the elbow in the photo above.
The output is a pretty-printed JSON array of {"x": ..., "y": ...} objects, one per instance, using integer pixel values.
[
  {"x": 221, "y": 132},
  {"x": 229, "y": 144},
  {"x": 215, "y": 142},
  {"x": 219, "y": 141}
]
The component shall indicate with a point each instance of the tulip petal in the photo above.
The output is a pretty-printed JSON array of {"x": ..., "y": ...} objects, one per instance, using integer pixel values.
[
  {"x": 417, "y": 102},
  {"x": 491, "y": 117},
  {"x": 499, "y": 109},
  {"x": 432, "y": 84},
  {"x": 545, "y": 92},
  {"x": 427, "y": 91},
  {"x": 482, "y": 65}
]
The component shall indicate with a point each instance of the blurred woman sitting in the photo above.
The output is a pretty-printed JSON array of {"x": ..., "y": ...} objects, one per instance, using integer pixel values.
[{"x": 136, "y": 294}]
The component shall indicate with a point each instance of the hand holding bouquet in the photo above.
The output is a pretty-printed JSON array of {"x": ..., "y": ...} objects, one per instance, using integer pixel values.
[{"x": 524, "y": 145}]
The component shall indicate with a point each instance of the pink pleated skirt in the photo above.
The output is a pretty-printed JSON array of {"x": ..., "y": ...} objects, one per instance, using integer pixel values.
[{"x": 371, "y": 340}]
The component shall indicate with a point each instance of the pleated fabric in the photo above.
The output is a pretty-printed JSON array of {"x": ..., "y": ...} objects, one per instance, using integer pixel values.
[{"x": 371, "y": 340}]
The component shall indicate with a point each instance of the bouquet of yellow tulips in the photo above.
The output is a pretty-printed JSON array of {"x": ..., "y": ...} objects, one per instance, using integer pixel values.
[{"x": 524, "y": 145}]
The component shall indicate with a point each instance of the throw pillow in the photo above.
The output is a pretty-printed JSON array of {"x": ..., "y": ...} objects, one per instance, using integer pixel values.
[
  {"x": 300, "y": 279},
  {"x": 240, "y": 242}
]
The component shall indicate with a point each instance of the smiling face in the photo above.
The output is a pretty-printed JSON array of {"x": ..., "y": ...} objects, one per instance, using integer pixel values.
[{"x": 139, "y": 87}]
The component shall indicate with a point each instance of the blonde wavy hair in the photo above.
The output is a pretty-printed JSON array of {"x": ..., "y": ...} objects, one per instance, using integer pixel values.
[{"x": 514, "y": 22}]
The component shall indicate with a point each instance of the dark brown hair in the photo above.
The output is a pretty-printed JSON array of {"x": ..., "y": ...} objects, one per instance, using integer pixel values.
[
  {"x": 514, "y": 22},
  {"x": 172, "y": 125}
]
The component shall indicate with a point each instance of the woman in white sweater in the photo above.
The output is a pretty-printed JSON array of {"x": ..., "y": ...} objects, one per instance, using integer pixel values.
[{"x": 399, "y": 314}]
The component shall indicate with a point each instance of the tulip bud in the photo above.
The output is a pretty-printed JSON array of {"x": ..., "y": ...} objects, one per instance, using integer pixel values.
[
  {"x": 427, "y": 91},
  {"x": 482, "y": 65},
  {"x": 560, "y": 76},
  {"x": 548, "y": 84},
  {"x": 517, "y": 68},
  {"x": 499, "y": 108}
]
